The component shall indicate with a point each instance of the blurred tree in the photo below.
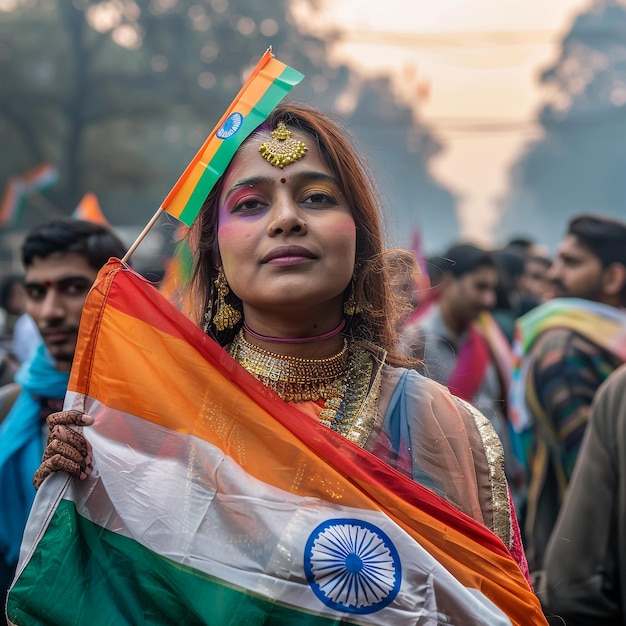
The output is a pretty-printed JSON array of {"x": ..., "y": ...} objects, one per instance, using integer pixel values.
[
  {"x": 121, "y": 93},
  {"x": 578, "y": 165}
]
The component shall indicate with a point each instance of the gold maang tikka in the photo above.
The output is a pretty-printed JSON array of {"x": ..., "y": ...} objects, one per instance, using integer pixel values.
[{"x": 282, "y": 149}]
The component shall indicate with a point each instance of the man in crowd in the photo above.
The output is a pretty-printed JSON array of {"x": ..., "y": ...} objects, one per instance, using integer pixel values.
[
  {"x": 567, "y": 347},
  {"x": 533, "y": 283},
  {"x": 62, "y": 259},
  {"x": 21, "y": 335},
  {"x": 585, "y": 562},
  {"x": 461, "y": 345}
]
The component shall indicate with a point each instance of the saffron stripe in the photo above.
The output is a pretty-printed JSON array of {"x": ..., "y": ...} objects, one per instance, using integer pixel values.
[{"x": 12, "y": 198}]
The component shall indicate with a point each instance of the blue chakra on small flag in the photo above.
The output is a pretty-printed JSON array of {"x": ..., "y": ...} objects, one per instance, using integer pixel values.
[
  {"x": 352, "y": 566},
  {"x": 230, "y": 126}
]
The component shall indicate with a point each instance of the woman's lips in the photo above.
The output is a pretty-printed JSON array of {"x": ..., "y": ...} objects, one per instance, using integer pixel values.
[{"x": 288, "y": 254}]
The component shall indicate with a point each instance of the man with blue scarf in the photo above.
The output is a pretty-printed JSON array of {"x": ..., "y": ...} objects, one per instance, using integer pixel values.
[{"x": 62, "y": 259}]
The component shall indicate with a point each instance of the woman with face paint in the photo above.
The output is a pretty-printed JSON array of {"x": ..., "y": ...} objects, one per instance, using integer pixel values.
[{"x": 290, "y": 279}]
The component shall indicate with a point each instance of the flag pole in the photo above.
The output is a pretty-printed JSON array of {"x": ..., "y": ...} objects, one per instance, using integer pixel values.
[{"x": 142, "y": 234}]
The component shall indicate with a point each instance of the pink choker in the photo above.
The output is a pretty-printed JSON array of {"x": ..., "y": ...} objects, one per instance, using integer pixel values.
[{"x": 330, "y": 333}]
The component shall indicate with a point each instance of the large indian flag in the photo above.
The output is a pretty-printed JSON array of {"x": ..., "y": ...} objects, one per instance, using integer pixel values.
[{"x": 214, "y": 502}]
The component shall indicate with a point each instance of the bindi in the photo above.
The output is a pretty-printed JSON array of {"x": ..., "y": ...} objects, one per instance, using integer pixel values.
[{"x": 283, "y": 180}]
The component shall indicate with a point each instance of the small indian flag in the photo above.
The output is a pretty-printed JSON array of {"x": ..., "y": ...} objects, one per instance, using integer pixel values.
[
  {"x": 19, "y": 187},
  {"x": 41, "y": 177},
  {"x": 214, "y": 502},
  {"x": 11, "y": 201},
  {"x": 269, "y": 82},
  {"x": 89, "y": 209}
]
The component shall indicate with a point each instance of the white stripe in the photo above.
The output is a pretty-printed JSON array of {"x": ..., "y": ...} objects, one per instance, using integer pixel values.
[{"x": 199, "y": 508}]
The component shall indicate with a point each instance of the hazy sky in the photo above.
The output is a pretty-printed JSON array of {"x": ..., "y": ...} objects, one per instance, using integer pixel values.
[{"x": 470, "y": 68}]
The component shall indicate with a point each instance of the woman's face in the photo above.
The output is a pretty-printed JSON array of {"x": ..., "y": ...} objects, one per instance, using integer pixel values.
[{"x": 287, "y": 238}]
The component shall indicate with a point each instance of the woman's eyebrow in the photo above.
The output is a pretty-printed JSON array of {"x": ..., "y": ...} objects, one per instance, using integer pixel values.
[
  {"x": 314, "y": 176},
  {"x": 253, "y": 181}
]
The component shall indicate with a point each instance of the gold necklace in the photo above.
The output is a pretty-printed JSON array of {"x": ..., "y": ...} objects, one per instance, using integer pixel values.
[
  {"x": 294, "y": 379},
  {"x": 343, "y": 381}
]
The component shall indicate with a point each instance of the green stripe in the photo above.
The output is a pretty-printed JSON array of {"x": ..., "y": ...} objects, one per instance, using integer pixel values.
[
  {"x": 281, "y": 86},
  {"x": 81, "y": 573}
]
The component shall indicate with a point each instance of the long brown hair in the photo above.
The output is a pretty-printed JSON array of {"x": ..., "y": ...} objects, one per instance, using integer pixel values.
[{"x": 375, "y": 321}]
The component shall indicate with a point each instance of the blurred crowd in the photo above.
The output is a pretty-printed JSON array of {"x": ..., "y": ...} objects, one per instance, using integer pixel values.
[
  {"x": 532, "y": 339},
  {"x": 537, "y": 342}
]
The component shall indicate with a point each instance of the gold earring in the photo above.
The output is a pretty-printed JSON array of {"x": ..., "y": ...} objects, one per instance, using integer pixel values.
[
  {"x": 226, "y": 315},
  {"x": 351, "y": 306}
]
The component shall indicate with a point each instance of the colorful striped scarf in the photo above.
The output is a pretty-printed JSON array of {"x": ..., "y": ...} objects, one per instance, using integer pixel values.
[{"x": 602, "y": 324}]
